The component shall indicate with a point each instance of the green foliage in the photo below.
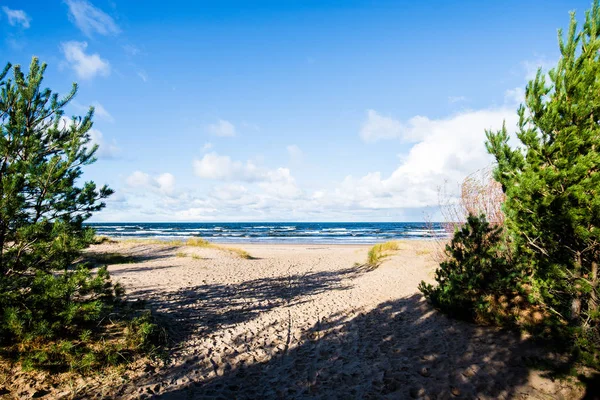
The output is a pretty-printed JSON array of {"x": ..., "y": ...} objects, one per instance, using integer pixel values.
[
  {"x": 380, "y": 251},
  {"x": 552, "y": 209},
  {"x": 73, "y": 321},
  {"x": 475, "y": 270},
  {"x": 42, "y": 210},
  {"x": 552, "y": 181},
  {"x": 54, "y": 313}
]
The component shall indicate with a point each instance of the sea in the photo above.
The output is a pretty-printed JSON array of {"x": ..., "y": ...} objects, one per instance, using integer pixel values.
[{"x": 276, "y": 232}]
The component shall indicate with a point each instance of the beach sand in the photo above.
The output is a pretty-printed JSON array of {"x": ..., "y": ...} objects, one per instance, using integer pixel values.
[{"x": 310, "y": 321}]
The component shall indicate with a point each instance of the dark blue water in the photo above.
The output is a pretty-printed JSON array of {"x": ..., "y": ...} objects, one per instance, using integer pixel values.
[{"x": 271, "y": 232}]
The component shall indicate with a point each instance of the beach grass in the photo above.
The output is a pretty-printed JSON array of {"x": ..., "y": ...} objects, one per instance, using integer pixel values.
[
  {"x": 192, "y": 242},
  {"x": 381, "y": 251}
]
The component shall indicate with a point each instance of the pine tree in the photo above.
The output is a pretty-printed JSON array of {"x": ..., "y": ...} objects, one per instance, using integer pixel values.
[
  {"x": 42, "y": 153},
  {"x": 552, "y": 180},
  {"x": 45, "y": 295}
]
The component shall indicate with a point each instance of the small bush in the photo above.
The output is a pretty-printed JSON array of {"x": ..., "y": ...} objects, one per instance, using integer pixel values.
[
  {"x": 71, "y": 321},
  {"x": 477, "y": 269}
]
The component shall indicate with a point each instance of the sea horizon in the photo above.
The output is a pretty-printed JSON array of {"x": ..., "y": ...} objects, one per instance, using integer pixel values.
[{"x": 274, "y": 232}]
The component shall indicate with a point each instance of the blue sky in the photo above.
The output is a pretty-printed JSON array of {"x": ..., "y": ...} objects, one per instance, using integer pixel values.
[{"x": 286, "y": 110}]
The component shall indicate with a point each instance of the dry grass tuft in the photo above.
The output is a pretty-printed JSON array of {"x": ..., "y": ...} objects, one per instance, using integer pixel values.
[
  {"x": 192, "y": 242},
  {"x": 479, "y": 194},
  {"x": 380, "y": 251}
]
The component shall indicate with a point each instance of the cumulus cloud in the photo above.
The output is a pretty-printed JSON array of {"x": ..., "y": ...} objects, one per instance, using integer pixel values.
[
  {"x": 86, "y": 66},
  {"x": 445, "y": 150},
  {"x": 207, "y": 146},
  {"x": 222, "y": 128},
  {"x": 90, "y": 19},
  {"x": 17, "y": 17},
  {"x": 215, "y": 166},
  {"x": 277, "y": 181},
  {"x": 163, "y": 183},
  {"x": 378, "y": 127}
]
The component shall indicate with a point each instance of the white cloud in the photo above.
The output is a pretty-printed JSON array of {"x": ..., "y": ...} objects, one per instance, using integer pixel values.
[
  {"x": 295, "y": 153},
  {"x": 207, "y": 146},
  {"x": 215, "y": 166},
  {"x": 166, "y": 183},
  {"x": 274, "y": 182},
  {"x": 143, "y": 76},
  {"x": 163, "y": 183},
  {"x": 90, "y": 19},
  {"x": 86, "y": 66},
  {"x": 446, "y": 150},
  {"x": 222, "y": 128},
  {"x": 378, "y": 127},
  {"x": 105, "y": 150},
  {"x": 138, "y": 179},
  {"x": 17, "y": 17}
]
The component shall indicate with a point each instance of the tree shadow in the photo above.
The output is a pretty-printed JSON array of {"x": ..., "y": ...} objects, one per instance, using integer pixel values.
[
  {"x": 203, "y": 309},
  {"x": 134, "y": 255},
  {"x": 401, "y": 349}
]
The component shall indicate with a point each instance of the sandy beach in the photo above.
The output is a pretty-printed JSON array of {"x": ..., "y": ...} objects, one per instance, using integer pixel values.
[{"x": 310, "y": 321}]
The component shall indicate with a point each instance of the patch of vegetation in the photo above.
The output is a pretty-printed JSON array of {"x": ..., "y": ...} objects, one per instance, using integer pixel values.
[
  {"x": 193, "y": 242},
  {"x": 198, "y": 242},
  {"x": 539, "y": 270},
  {"x": 473, "y": 273},
  {"x": 381, "y": 251},
  {"x": 180, "y": 254},
  {"x": 55, "y": 313},
  {"x": 104, "y": 240}
]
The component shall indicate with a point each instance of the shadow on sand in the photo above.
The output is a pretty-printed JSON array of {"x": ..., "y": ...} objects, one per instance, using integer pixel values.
[
  {"x": 401, "y": 349},
  {"x": 203, "y": 309}
]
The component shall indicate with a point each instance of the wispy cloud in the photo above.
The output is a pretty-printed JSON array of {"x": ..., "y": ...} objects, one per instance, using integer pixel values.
[
  {"x": 17, "y": 17},
  {"x": 456, "y": 99},
  {"x": 85, "y": 65},
  {"x": 131, "y": 50},
  {"x": 143, "y": 76},
  {"x": 90, "y": 19},
  {"x": 222, "y": 128},
  {"x": 99, "y": 110}
]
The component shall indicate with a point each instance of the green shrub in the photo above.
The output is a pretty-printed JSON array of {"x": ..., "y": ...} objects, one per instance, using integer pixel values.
[
  {"x": 72, "y": 321},
  {"x": 475, "y": 271}
]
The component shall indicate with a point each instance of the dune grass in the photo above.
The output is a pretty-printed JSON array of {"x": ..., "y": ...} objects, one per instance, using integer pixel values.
[
  {"x": 380, "y": 251},
  {"x": 192, "y": 242}
]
